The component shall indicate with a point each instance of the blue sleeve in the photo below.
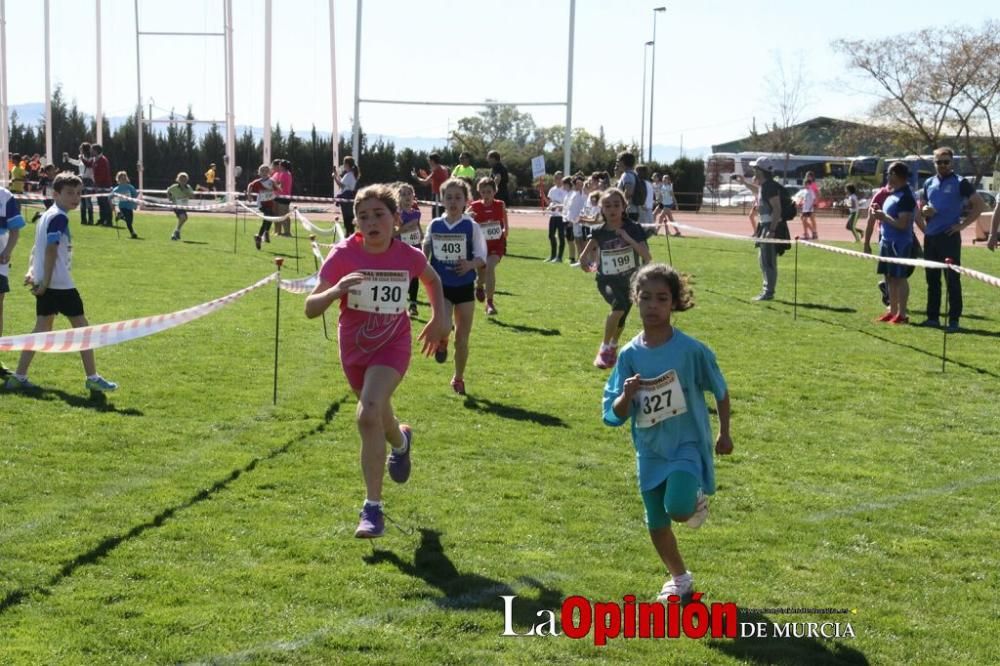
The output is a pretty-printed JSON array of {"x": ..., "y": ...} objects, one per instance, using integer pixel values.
[
  {"x": 709, "y": 375},
  {"x": 58, "y": 226},
  {"x": 613, "y": 389},
  {"x": 966, "y": 189},
  {"x": 906, "y": 204},
  {"x": 12, "y": 212}
]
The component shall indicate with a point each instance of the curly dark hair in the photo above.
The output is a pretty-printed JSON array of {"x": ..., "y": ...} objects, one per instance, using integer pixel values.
[{"x": 680, "y": 290}]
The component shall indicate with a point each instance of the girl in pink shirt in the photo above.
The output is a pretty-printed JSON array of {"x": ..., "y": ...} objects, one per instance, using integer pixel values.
[{"x": 369, "y": 274}]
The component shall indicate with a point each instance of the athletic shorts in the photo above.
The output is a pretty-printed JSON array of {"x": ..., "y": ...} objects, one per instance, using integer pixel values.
[
  {"x": 66, "y": 302},
  {"x": 615, "y": 289},
  {"x": 395, "y": 356},
  {"x": 458, "y": 295},
  {"x": 180, "y": 212},
  {"x": 496, "y": 247},
  {"x": 581, "y": 231},
  {"x": 896, "y": 250},
  {"x": 4, "y": 284}
]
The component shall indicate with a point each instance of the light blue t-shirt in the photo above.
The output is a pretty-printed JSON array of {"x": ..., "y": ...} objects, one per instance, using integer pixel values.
[
  {"x": 127, "y": 190},
  {"x": 663, "y": 447}
]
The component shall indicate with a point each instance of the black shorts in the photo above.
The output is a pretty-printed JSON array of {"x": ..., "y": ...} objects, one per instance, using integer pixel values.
[
  {"x": 459, "y": 295},
  {"x": 616, "y": 291},
  {"x": 4, "y": 284},
  {"x": 180, "y": 213},
  {"x": 59, "y": 301}
]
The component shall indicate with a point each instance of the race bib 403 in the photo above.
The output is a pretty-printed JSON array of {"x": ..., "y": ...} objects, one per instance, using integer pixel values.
[
  {"x": 659, "y": 399},
  {"x": 381, "y": 292},
  {"x": 449, "y": 248}
]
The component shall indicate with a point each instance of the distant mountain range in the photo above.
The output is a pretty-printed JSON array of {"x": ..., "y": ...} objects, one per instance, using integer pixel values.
[{"x": 34, "y": 113}]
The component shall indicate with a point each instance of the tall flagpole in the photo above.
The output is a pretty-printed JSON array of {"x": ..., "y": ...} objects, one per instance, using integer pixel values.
[
  {"x": 230, "y": 114},
  {"x": 568, "y": 139},
  {"x": 333, "y": 90},
  {"x": 356, "y": 141},
  {"x": 48, "y": 91},
  {"x": 267, "y": 81},
  {"x": 100, "y": 111},
  {"x": 4, "y": 137},
  {"x": 139, "y": 127}
]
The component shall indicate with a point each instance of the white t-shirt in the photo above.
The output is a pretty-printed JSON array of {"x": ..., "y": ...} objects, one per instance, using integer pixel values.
[
  {"x": 349, "y": 182},
  {"x": 574, "y": 206},
  {"x": 53, "y": 229},
  {"x": 557, "y": 195},
  {"x": 852, "y": 203},
  {"x": 649, "y": 196},
  {"x": 808, "y": 199},
  {"x": 667, "y": 194}
]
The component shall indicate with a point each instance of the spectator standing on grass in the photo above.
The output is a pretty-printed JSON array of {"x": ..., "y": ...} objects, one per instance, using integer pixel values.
[
  {"x": 465, "y": 170},
  {"x": 500, "y": 175},
  {"x": 103, "y": 182},
  {"x": 628, "y": 183},
  {"x": 557, "y": 230},
  {"x": 896, "y": 216},
  {"x": 52, "y": 284},
  {"x": 84, "y": 164},
  {"x": 438, "y": 175},
  {"x": 810, "y": 192},
  {"x": 347, "y": 177},
  {"x": 18, "y": 175},
  {"x": 11, "y": 223},
  {"x": 769, "y": 217},
  {"x": 939, "y": 216}
]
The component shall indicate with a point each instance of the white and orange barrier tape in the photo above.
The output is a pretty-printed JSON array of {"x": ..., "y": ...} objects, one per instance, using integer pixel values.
[
  {"x": 266, "y": 218},
  {"x": 104, "y": 335}
]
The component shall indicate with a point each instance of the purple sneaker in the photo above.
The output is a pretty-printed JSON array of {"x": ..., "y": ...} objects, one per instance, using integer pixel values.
[
  {"x": 372, "y": 523},
  {"x": 399, "y": 464}
]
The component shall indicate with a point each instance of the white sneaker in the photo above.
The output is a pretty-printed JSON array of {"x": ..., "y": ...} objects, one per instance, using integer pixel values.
[
  {"x": 700, "y": 514},
  {"x": 682, "y": 586},
  {"x": 575, "y": 264}
]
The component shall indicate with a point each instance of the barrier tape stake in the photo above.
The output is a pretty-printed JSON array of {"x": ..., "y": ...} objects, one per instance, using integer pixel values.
[
  {"x": 670, "y": 255},
  {"x": 236, "y": 227},
  {"x": 278, "y": 261},
  {"x": 795, "y": 290},
  {"x": 312, "y": 239},
  {"x": 295, "y": 224},
  {"x": 947, "y": 308}
]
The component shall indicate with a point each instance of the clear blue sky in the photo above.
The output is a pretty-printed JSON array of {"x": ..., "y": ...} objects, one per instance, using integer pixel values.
[{"x": 711, "y": 59}]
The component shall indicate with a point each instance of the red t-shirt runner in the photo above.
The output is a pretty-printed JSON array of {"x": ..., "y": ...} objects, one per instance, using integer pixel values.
[{"x": 492, "y": 218}]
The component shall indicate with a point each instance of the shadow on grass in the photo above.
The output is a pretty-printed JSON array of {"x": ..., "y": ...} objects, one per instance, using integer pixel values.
[
  {"x": 468, "y": 591},
  {"x": 109, "y": 544},
  {"x": 522, "y": 256},
  {"x": 514, "y": 413},
  {"x": 775, "y": 650},
  {"x": 920, "y": 350},
  {"x": 195, "y": 242},
  {"x": 817, "y": 306},
  {"x": 97, "y": 401},
  {"x": 520, "y": 328}
]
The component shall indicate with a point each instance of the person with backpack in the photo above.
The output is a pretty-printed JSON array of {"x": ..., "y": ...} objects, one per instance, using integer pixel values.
[
  {"x": 770, "y": 216},
  {"x": 630, "y": 183}
]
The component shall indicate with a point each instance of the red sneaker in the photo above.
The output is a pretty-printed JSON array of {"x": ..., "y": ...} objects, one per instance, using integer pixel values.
[
  {"x": 886, "y": 317},
  {"x": 900, "y": 320},
  {"x": 480, "y": 294}
]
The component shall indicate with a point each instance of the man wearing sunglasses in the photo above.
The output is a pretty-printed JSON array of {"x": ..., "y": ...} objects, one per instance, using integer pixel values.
[{"x": 939, "y": 216}]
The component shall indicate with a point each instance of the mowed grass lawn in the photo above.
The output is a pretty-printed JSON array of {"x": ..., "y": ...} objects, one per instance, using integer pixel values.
[{"x": 187, "y": 520}]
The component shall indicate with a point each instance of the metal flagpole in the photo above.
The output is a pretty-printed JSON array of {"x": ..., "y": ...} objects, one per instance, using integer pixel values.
[
  {"x": 4, "y": 137},
  {"x": 333, "y": 90},
  {"x": 267, "y": 81},
  {"x": 48, "y": 91},
  {"x": 100, "y": 111},
  {"x": 356, "y": 140},
  {"x": 278, "y": 261},
  {"x": 230, "y": 114},
  {"x": 652, "y": 83},
  {"x": 138, "y": 107},
  {"x": 795, "y": 292},
  {"x": 568, "y": 139}
]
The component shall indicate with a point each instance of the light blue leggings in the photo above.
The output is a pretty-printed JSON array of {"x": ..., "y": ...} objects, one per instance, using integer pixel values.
[{"x": 677, "y": 496}]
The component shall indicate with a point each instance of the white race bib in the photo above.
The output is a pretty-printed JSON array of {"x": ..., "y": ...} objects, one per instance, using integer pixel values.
[
  {"x": 492, "y": 230},
  {"x": 659, "y": 399},
  {"x": 615, "y": 262},
  {"x": 265, "y": 195},
  {"x": 411, "y": 237},
  {"x": 381, "y": 292},
  {"x": 449, "y": 248}
]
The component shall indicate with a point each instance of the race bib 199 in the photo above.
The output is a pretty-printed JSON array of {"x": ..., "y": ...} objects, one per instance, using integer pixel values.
[
  {"x": 615, "y": 262},
  {"x": 449, "y": 248},
  {"x": 492, "y": 230},
  {"x": 659, "y": 399},
  {"x": 381, "y": 292},
  {"x": 411, "y": 237}
]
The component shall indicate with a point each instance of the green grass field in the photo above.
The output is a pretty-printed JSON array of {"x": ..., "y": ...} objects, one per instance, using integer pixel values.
[{"x": 187, "y": 520}]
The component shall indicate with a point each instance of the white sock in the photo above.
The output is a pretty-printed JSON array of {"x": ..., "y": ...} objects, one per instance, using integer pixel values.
[
  {"x": 93, "y": 377},
  {"x": 23, "y": 378},
  {"x": 378, "y": 504}
]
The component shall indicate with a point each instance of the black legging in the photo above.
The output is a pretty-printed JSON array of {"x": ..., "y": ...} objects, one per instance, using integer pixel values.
[
  {"x": 414, "y": 285},
  {"x": 557, "y": 228}
]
